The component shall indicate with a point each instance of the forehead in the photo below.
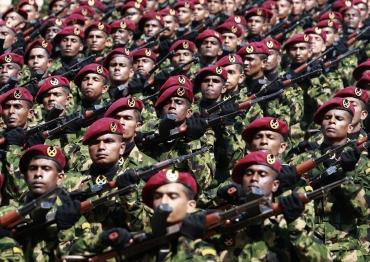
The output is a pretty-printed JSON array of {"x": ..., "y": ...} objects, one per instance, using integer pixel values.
[
  {"x": 94, "y": 75},
  {"x": 125, "y": 112},
  {"x": 261, "y": 168},
  {"x": 6, "y": 29},
  {"x": 10, "y": 64},
  {"x": 210, "y": 39},
  {"x": 120, "y": 58},
  {"x": 42, "y": 161},
  {"x": 299, "y": 45},
  {"x": 58, "y": 89},
  {"x": 96, "y": 31},
  {"x": 171, "y": 188},
  {"x": 144, "y": 59},
  {"x": 183, "y": 51},
  {"x": 16, "y": 102},
  {"x": 208, "y": 77},
  {"x": 267, "y": 132},
  {"x": 115, "y": 137},
  {"x": 338, "y": 112},
  {"x": 13, "y": 14},
  {"x": 71, "y": 37},
  {"x": 38, "y": 50},
  {"x": 152, "y": 22}
]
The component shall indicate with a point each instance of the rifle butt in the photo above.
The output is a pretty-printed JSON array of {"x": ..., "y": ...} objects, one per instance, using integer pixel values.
[
  {"x": 305, "y": 167},
  {"x": 10, "y": 219}
]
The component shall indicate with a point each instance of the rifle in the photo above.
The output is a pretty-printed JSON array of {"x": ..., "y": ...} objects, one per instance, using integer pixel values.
[
  {"x": 276, "y": 209},
  {"x": 213, "y": 220},
  {"x": 77, "y": 66},
  {"x": 11, "y": 83},
  {"x": 310, "y": 164},
  {"x": 277, "y": 27},
  {"x": 301, "y": 21},
  {"x": 12, "y": 218},
  {"x": 354, "y": 37},
  {"x": 152, "y": 39}
]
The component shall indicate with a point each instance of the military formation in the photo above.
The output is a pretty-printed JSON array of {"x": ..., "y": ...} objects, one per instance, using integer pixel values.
[{"x": 190, "y": 130}]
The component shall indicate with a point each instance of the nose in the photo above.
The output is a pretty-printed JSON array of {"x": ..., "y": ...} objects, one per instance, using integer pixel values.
[
  {"x": 101, "y": 145},
  {"x": 37, "y": 173}
]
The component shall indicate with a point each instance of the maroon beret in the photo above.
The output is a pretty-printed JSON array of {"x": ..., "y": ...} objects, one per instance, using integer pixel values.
[
  {"x": 210, "y": 70},
  {"x": 230, "y": 27},
  {"x": 49, "y": 152},
  {"x": 360, "y": 69},
  {"x": 164, "y": 177},
  {"x": 123, "y": 24},
  {"x": 237, "y": 19},
  {"x": 272, "y": 43},
  {"x": 50, "y": 83},
  {"x": 253, "y": 48},
  {"x": 254, "y": 158},
  {"x": 99, "y": 26},
  {"x": 208, "y": 33},
  {"x": 316, "y": 31},
  {"x": 330, "y": 15},
  {"x": 124, "y": 103},
  {"x": 334, "y": 103},
  {"x": 265, "y": 123},
  {"x": 17, "y": 93},
  {"x": 167, "y": 11},
  {"x": 364, "y": 81},
  {"x": 183, "y": 44},
  {"x": 144, "y": 52},
  {"x": 352, "y": 91},
  {"x": 200, "y": 2},
  {"x": 105, "y": 125},
  {"x": 115, "y": 52},
  {"x": 11, "y": 58},
  {"x": 174, "y": 91},
  {"x": 177, "y": 80},
  {"x": 328, "y": 23},
  {"x": 150, "y": 15},
  {"x": 95, "y": 3},
  {"x": 91, "y": 68},
  {"x": 74, "y": 19},
  {"x": 51, "y": 22},
  {"x": 132, "y": 4},
  {"x": 258, "y": 11},
  {"x": 346, "y": 5},
  {"x": 296, "y": 38},
  {"x": 230, "y": 60},
  {"x": 68, "y": 30},
  {"x": 184, "y": 3},
  {"x": 38, "y": 43},
  {"x": 27, "y": 2},
  {"x": 86, "y": 11}
]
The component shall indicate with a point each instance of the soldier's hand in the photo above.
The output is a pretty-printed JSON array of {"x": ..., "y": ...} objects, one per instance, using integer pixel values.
[
  {"x": 16, "y": 136},
  {"x": 35, "y": 139},
  {"x": 288, "y": 178},
  {"x": 68, "y": 213},
  {"x": 194, "y": 225},
  {"x": 349, "y": 159},
  {"x": 233, "y": 194},
  {"x": 128, "y": 178},
  {"x": 292, "y": 207},
  {"x": 117, "y": 238},
  {"x": 196, "y": 127},
  {"x": 229, "y": 107}
]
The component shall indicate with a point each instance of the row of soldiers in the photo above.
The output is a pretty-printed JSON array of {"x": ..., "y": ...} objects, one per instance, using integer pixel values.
[{"x": 210, "y": 130}]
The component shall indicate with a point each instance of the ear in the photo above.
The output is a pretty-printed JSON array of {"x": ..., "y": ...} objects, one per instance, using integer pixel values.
[
  {"x": 50, "y": 61},
  {"x": 241, "y": 78},
  {"x": 364, "y": 114},
  {"x": 105, "y": 89},
  {"x": 350, "y": 128},
  {"x": 131, "y": 74},
  {"x": 69, "y": 99},
  {"x": 189, "y": 113},
  {"x": 223, "y": 89},
  {"x": 275, "y": 185},
  {"x": 283, "y": 147},
  {"x": 138, "y": 126},
  {"x": 220, "y": 51},
  {"x": 31, "y": 114},
  {"x": 191, "y": 206},
  {"x": 122, "y": 148},
  {"x": 239, "y": 41},
  {"x": 81, "y": 47},
  {"x": 60, "y": 178},
  {"x": 264, "y": 64}
]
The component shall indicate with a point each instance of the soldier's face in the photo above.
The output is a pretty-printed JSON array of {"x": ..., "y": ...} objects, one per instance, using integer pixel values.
[
  {"x": 260, "y": 177},
  {"x": 71, "y": 46},
  {"x": 298, "y": 7},
  {"x": 283, "y": 8},
  {"x": 336, "y": 124},
  {"x": 51, "y": 32},
  {"x": 133, "y": 14},
  {"x": 16, "y": 113},
  {"x": 184, "y": 15},
  {"x": 152, "y": 27},
  {"x": 57, "y": 6},
  {"x": 93, "y": 86},
  {"x": 317, "y": 44},
  {"x": 179, "y": 107},
  {"x": 143, "y": 65},
  {"x": 273, "y": 60},
  {"x": 331, "y": 36},
  {"x": 121, "y": 36},
  {"x": 235, "y": 76},
  {"x": 310, "y": 4},
  {"x": 106, "y": 150},
  {"x": 214, "y": 6},
  {"x": 43, "y": 176},
  {"x": 130, "y": 123},
  {"x": 210, "y": 47},
  {"x": 170, "y": 23},
  {"x": 174, "y": 195},
  {"x": 256, "y": 25},
  {"x": 229, "y": 7},
  {"x": 253, "y": 66},
  {"x": 182, "y": 56},
  {"x": 269, "y": 141},
  {"x": 31, "y": 10},
  {"x": 200, "y": 12},
  {"x": 56, "y": 97},
  {"x": 352, "y": 18},
  {"x": 13, "y": 19},
  {"x": 120, "y": 69},
  {"x": 362, "y": 7},
  {"x": 230, "y": 42},
  {"x": 8, "y": 70},
  {"x": 8, "y": 35},
  {"x": 38, "y": 60},
  {"x": 212, "y": 87},
  {"x": 360, "y": 110},
  {"x": 300, "y": 52},
  {"x": 96, "y": 40}
]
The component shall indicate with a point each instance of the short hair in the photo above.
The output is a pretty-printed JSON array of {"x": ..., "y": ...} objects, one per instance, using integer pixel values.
[{"x": 57, "y": 165}]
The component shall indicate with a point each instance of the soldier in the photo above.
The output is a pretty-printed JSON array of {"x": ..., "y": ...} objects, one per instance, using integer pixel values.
[
  {"x": 209, "y": 43},
  {"x": 10, "y": 68},
  {"x": 200, "y": 12},
  {"x": 150, "y": 24},
  {"x": 15, "y": 19},
  {"x": 317, "y": 40},
  {"x": 122, "y": 32},
  {"x": 96, "y": 39},
  {"x": 9, "y": 36},
  {"x": 184, "y": 10},
  {"x": 132, "y": 10},
  {"x": 31, "y": 8},
  {"x": 272, "y": 70},
  {"x": 50, "y": 28},
  {"x": 258, "y": 20},
  {"x": 143, "y": 62},
  {"x": 271, "y": 238},
  {"x": 232, "y": 34}
]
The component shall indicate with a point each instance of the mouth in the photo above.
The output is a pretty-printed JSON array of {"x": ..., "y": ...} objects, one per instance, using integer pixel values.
[{"x": 37, "y": 184}]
